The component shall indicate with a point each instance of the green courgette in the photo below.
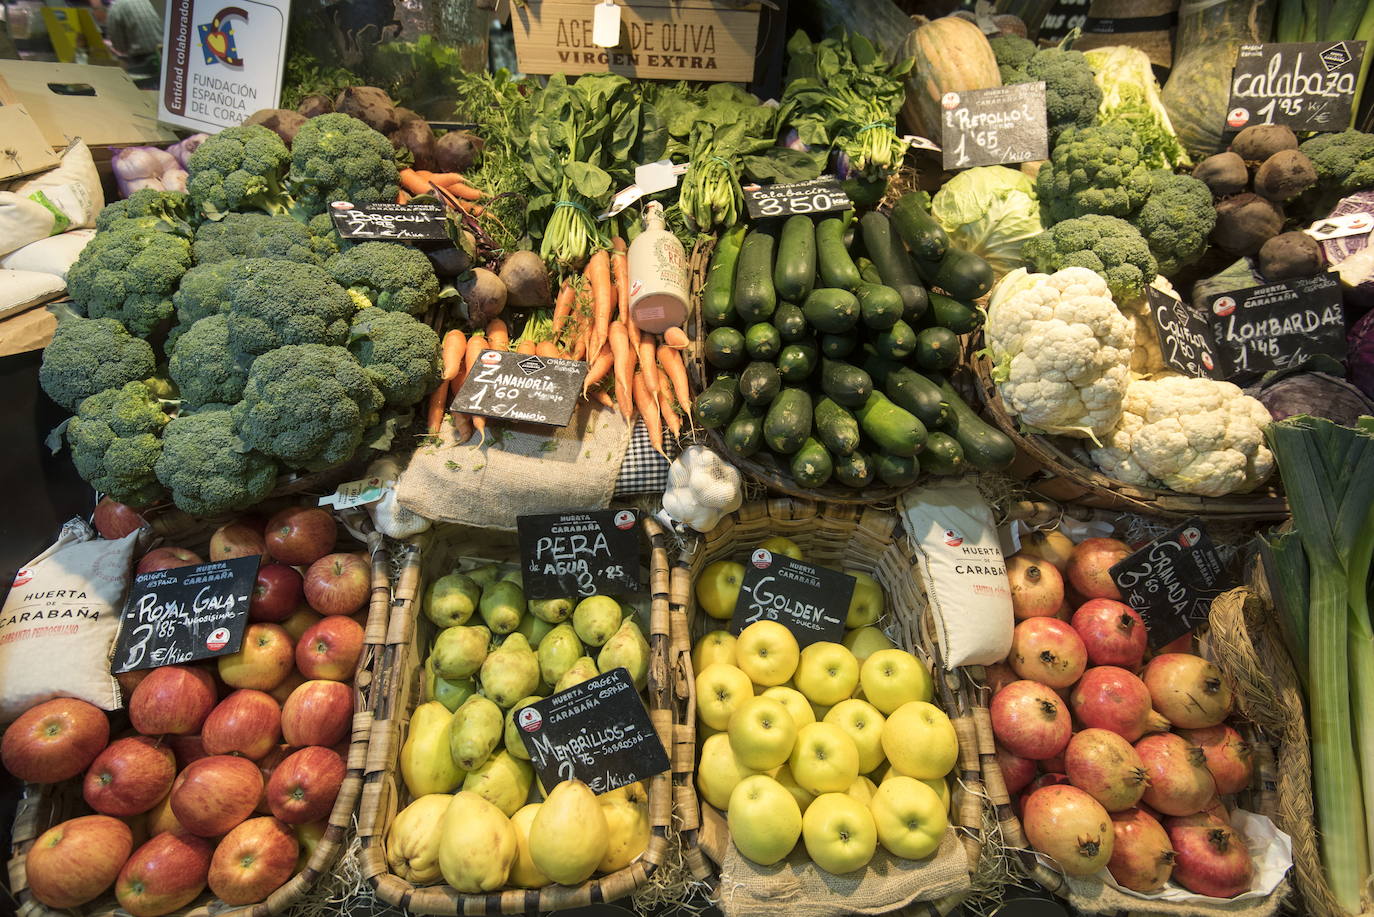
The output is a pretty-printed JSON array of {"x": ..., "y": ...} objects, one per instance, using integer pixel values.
[
  {"x": 925, "y": 237},
  {"x": 798, "y": 361},
  {"x": 846, "y": 383},
  {"x": 910, "y": 390},
  {"x": 811, "y": 464},
  {"x": 717, "y": 404},
  {"x": 880, "y": 306},
  {"x": 795, "y": 270},
  {"x": 945, "y": 312},
  {"x": 717, "y": 296},
  {"x": 744, "y": 435},
  {"x": 835, "y": 427},
  {"x": 854, "y": 470},
  {"x": 942, "y": 455},
  {"x": 788, "y": 422},
  {"x": 838, "y": 346},
  {"x": 755, "y": 298},
  {"x": 896, "y": 470},
  {"x": 790, "y": 321},
  {"x": 985, "y": 448},
  {"x": 724, "y": 348},
  {"x": 896, "y": 343},
  {"x": 937, "y": 349},
  {"x": 894, "y": 429},
  {"x": 892, "y": 261},
  {"x": 831, "y": 311},
  {"x": 762, "y": 341},
  {"x": 837, "y": 268},
  {"x": 759, "y": 383},
  {"x": 963, "y": 274}
]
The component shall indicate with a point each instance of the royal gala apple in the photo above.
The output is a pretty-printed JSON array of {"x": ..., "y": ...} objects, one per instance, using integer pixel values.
[
  {"x": 301, "y": 534},
  {"x": 317, "y": 713},
  {"x": 289, "y": 684},
  {"x": 186, "y": 749},
  {"x": 172, "y": 700},
  {"x": 216, "y": 793},
  {"x": 74, "y": 862},
  {"x": 267, "y": 764},
  {"x": 263, "y": 661},
  {"x": 338, "y": 584},
  {"x": 236, "y": 539},
  {"x": 301, "y": 620},
  {"x": 246, "y": 722},
  {"x": 55, "y": 740},
  {"x": 167, "y": 559},
  {"x": 129, "y": 777},
  {"x": 303, "y": 787},
  {"x": 330, "y": 649},
  {"x": 115, "y": 520},
  {"x": 164, "y": 874},
  {"x": 161, "y": 818},
  {"x": 276, "y": 594},
  {"x": 309, "y": 837},
  {"x": 252, "y": 861}
]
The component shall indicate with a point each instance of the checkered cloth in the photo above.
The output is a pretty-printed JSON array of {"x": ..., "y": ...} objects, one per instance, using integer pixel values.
[{"x": 644, "y": 471}]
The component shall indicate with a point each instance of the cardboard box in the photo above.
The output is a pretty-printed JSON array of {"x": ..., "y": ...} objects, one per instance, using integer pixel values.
[
  {"x": 106, "y": 109},
  {"x": 23, "y": 149}
]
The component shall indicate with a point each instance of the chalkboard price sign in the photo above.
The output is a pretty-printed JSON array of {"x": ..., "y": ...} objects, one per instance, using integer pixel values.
[
  {"x": 1278, "y": 325},
  {"x": 1172, "y": 581},
  {"x": 390, "y": 222},
  {"x": 818, "y": 195},
  {"x": 184, "y": 614},
  {"x": 811, "y": 601},
  {"x": 574, "y": 555},
  {"x": 597, "y": 732},
  {"x": 988, "y": 127},
  {"x": 1185, "y": 336},
  {"x": 521, "y": 387},
  {"x": 1308, "y": 86}
]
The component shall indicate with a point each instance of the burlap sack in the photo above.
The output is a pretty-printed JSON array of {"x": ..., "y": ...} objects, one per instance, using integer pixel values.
[
  {"x": 520, "y": 469},
  {"x": 1091, "y": 897}
]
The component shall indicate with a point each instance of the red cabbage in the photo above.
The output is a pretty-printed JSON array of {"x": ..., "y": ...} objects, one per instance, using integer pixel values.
[
  {"x": 1357, "y": 275},
  {"x": 1314, "y": 393},
  {"x": 1360, "y": 358}
]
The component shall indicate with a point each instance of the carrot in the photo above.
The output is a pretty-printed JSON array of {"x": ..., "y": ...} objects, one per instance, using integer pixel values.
[
  {"x": 413, "y": 181},
  {"x": 479, "y": 424},
  {"x": 599, "y": 369},
  {"x": 526, "y": 346},
  {"x": 598, "y": 274},
  {"x": 625, "y": 359},
  {"x": 476, "y": 344},
  {"x": 455, "y": 347},
  {"x": 580, "y": 347},
  {"x": 438, "y": 401},
  {"x": 675, "y": 338},
  {"x": 462, "y": 191},
  {"x": 462, "y": 425},
  {"x": 498, "y": 336},
  {"x": 475, "y": 209},
  {"x": 562, "y": 307},
  {"x": 547, "y": 349},
  {"x": 648, "y": 407},
  {"x": 648, "y": 367},
  {"x": 620, "y": 268},
  {"x": 402, "y": 197},
  {"x": 670, "y": 415},
  {"x": 603, "y": 398},
  {"x": 673, "y": 368}
]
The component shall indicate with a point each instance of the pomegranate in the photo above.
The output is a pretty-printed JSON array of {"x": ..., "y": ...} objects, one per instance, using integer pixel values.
[
  {"x": 1216, "y": 809},
  {"x": 1016, "y": 771},
  {"x": 1053, "y": 764},
  {"x": 1037, "y": 588},
  {"x": 1090, "y": 567},
  {"x": 1204, "y": 819},
  {"x": 1048, "y": 651},
  {"x": 1180, "y": 783},
  {"x": 1030, "y": 720},
  {"x": 1228, "y": 756},
  {"x": 999, "y": 675},
  {"x": 1019, "y": 803},
  {"x": 1188, "y": 690},
  {"x": 1113, "y": 633},
  {"x": 1053, "y": 547},
  {"x": 1068, "y": 825},
  {"x": 1109, "y": 697},
  {"x": 1142, "y": 859},
  {"x": 1183, "y": 644},
  {"x": 1211, "y": 859},
  {"x": 1107, "y": 768}
]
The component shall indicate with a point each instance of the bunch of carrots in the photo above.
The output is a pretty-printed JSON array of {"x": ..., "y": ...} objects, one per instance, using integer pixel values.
[{"x": 451, "y": 186}]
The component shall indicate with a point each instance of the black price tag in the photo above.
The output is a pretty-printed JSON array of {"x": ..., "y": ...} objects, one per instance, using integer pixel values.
[
  {"x": 597, "y": 732},
  {"x": 184, "y": 614},
  {"x": 1278, "y": 325},
  {"x": 818, "y": 195},
  {"x": 1308, "y": 86},
  {"x": 1172, "y": 581},
  {"x": 811, "y": 601},
  {"x": 988, "y": 127},
  {"x": 574, "y": 555},
  {"x": 1185, "y": 336},
  {"x": 523, "y": 387},
  {"x": 390, "y": 222}
]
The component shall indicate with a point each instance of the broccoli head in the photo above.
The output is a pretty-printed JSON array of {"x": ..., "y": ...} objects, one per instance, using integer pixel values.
[
  {"x": 205, "y": 370},
  {"x": 115, "y": 444},
  {"x": 1071, "y": 93},
  {"x": 394, "y": 277},
  {"x": 168, "y": 211},
  {"x": 1108, "y": 245},
  {"x": 240, "y": 168},
  {"x": 275, "y": 303},
  {"x": 205, "y": 290},
  {"x": 307, "y": 405},
  {"x": 1013, "y": 52},
  {"x": 206, "y": 467},
  {"x": 1177, "y": 219},
  {"x": 254, "y": 235},
  {"x": 89, "y": 355},
  {"x": 1094, "y": 169},
  {"x": 400, "y": 353},
  {"x": 1344, "y": 161},
  {"x": 324, "y": 237},
  {"x": 129, "y": 273},
  {"x": 337, "y": 157}
]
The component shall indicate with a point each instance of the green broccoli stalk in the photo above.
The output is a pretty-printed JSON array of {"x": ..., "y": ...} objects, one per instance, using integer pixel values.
[
  {"x": 337, "y": 157},
  {"x": 398, "y": 352},
  {"x": 207, "y": 468},
  {"x": 129, "y": 273},
  {"x": 1093, "y": 170},
  {"x": 115, "y": 444},
  {"x": 89, "y": 355},
  {"x": 166, "y": 211},
  {"x": 275, "y": 303},
  {"x": 240, "y": 168},
  {"x": 254, "y": 235},
  {"x": 203, "y": 367},
  {"x": 1176, "y": 220},
  {"x": 307, "y": 405},
  {"x": 394, "y": 277},
  {"x": 1108, "y": 245}
]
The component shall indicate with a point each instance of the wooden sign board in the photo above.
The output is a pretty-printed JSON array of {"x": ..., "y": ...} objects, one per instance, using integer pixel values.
[{"x": 659, "y": 39}]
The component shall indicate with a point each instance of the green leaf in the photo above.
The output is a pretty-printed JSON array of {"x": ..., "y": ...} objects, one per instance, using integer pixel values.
[{"x": 590, "y": 181}]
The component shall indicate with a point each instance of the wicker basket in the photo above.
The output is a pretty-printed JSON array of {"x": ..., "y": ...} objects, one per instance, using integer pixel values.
[
  {"x": 867, "y": 539},
  {"x": 398, "y": 669}
]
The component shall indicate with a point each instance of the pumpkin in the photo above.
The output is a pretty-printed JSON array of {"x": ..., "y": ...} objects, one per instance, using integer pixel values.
[{"x": 951, "y": 55}]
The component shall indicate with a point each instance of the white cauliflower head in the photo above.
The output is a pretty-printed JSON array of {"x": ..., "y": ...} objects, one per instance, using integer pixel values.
[
  {"x": 1061, "y": 351},
  {"x": 1195, "y": 436}
]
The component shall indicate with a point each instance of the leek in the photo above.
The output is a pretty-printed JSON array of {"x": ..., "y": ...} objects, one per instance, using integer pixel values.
[{"x": 1285, "y": 565}]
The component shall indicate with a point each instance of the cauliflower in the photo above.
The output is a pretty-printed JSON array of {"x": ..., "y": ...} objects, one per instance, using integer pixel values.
[
  {"x": 1195, "y": 436},
  {"x": 1061, "y": 351}
]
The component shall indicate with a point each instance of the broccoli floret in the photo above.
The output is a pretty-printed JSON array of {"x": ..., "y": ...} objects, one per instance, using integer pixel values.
[
  {"x": 206, "y": 467},
  {"x": 129, "y": 273},
  {"x": 254, "y": 235},
  {"x": 307, "y": 405},
  {"x": 168, "y": 211},
  {"x": 283, "y": 302},
  {"x": 1176, "y": 220},
  {"x": 398, "y": 352},
  {"x": 240, "y": 168},
  {"x": 1013, "y": 53},
  {"x": 1110, "y": 246},
  {"x": 1071, "y": 93},
  {"x": 115, "y": 444},
  {"x": 1344, "y": 161},
  {"x": 337, "y": 157},
  {"x": 1094, "y": 169},
  {"x": 205, "y": 290},
  {"x": 205, "y": 370},
  {"x": 394, "y": 277},
  {"x": 89, "y": 355},
  {"x": 324, "y": 238}
]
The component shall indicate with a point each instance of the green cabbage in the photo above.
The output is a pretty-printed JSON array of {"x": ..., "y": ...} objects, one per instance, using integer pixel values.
[
  {"x": 1130, "y": 95},
  {"x": 990, "y": 211}
]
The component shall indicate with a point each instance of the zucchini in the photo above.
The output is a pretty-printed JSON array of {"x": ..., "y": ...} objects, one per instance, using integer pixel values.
[
  {"x": 895, "y": 430},
  {"x": 835, "y": 427},
  {"x": 891, "y": 260},
  {"x": 963, "y": 274},
  {"x": 795, "y": 270},
  {"x": 838, "y": 270},
  {"x": 911, "y": 390},
  {"x": 880, "y": 306},
  {"x": 854, "y": 470},
  {"x": 868, "y": 271},
  {"x": 896, "y": 470},
  {"x": 831, "y": 311},
  {"x": 717, "y": 404},
  {"x": 788, "y": 422},
  {"x": 959, "y": 317},
  {"x": 797, "y": 361},
  {"x": 811, "y": 464},
  {"x": 847, "y": 384},
  {"x": 790, "y": 321},
  {"x": 838, "y": 346},
  {"x": 985, "y": 448},
  {"x": 937, "y": 349},
  {"x": 717, "y": 295},
  {"x": 724, "y": 348},
  {"x": 925, "y": 237},
  {"x": 744, "y": 435},
  {"x": 762, "y": 341},
  {"x": 759, "y": 383},
  {"x": 917, "y": 310},
  {"x": 896, "y": 343},
  {"x": 755, "y": 298},
  {"x": 942, "y": 455}
]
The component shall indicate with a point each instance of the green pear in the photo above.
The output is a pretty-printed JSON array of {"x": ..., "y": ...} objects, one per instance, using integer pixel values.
[
  {"x": 510, "y": 672},
  {"x": 559, "y": 649},
  {"x": 460, "y": 651},
  {"x": 555, "y": 611},
  {"x": 449, "y": 692},
  {"x": 595, "y": 619},
  {"x": 514, "y": 744},
  {"x": 582, "y": 670},
  {"x": 504, "y": 781},
  {"x": 627, "y": 648},
  {"x": 476, "y": 729},
  {"x": 485, "y": 576},
  {"x": 514, "y": 576},
  {"x": 502, "y": 605},
  {"x": 569, "y": 835},
  {"x": 451, "y": 600},
  {"x": 534, "y": 630}
]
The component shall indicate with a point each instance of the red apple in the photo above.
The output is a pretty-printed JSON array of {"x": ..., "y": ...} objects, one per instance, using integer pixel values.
[
  {"x": 186, "y": 749},
  {"x": 55, "y": 740},
  {"x": 167, "y": 559},
  {"x": 172, "y": 700},
  {"x": 115, "y": 520},
  {"x": 263, "y": 661},
  {"x": 138, "y": 827},
  {"x": 74, "y": 862},
  {"x": 128, "y": 681},
  {"x": 301, "y": 620},
  {"x": 216, "y": 793},
  {"x": 161, "y": 818},
  {"x": 338, "y": 584},
  {"x": 253, "y": 860},
  {"x": 267, "y": 764},
  {"x": 246, "y": 722},
  {"x": 317, "y": 713},
  {"x": 289, "y": 684},
  {"x": 301, "y": 534},
  {"x": 164, "y": 875},
  {"x": 277, "y": 593},
  {"x": 304, "y": 786},
  {"x": 309, "y": 836},
  {"x": 235, "y": 539},
  {"x": 330, "y": 649},
  {"x": 129, "y": 776}
]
